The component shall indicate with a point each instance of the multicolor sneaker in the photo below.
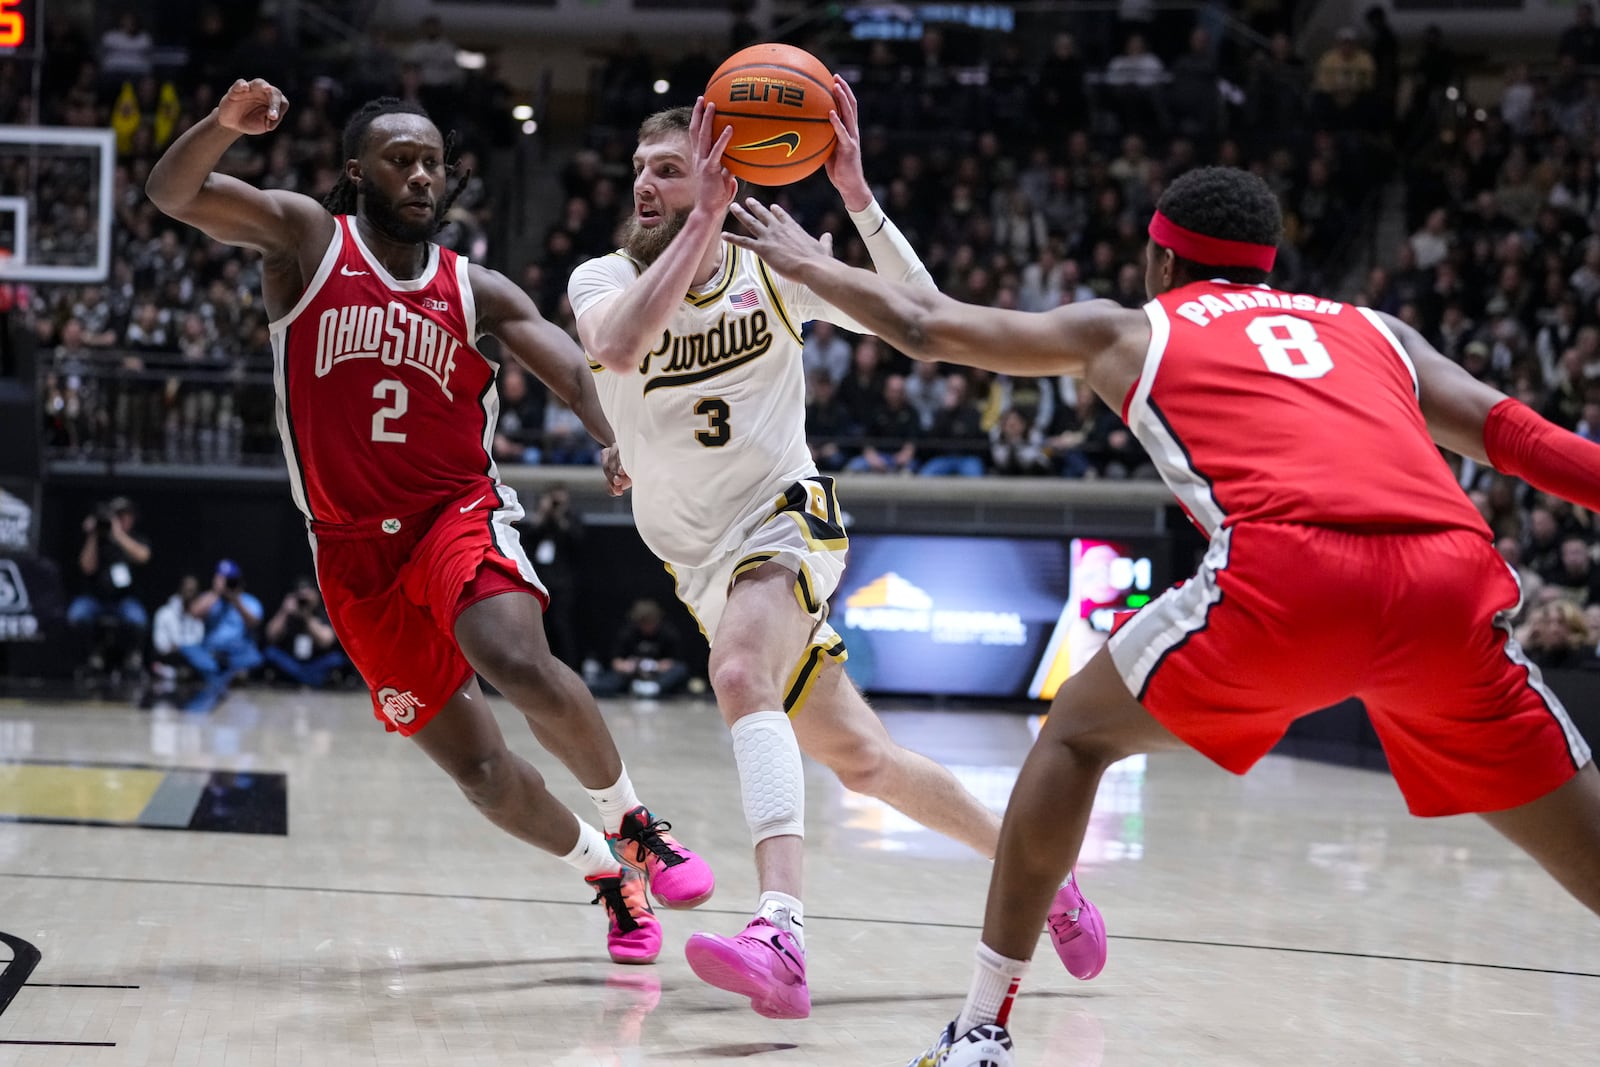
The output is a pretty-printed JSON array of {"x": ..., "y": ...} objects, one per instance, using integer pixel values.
[
  {"x": 677, "y": 877},
  {"x": 985, "y": 1045},
  {"x": 763, "y": 963},
  {"x": 634, "y": 935},
  {"x": 1077, "y": 931}
]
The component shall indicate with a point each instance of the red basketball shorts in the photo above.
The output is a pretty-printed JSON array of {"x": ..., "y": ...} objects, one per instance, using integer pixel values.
[
  {"x": 1282, "y": 620},
  {"x": 394, "y": 590}
]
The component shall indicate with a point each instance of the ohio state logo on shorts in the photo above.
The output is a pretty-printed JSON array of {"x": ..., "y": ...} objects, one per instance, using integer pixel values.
[{"x": 399, "y": 708}]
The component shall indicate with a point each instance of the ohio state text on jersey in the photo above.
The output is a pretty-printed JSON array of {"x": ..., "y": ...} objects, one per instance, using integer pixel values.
[
  {"x": 1263, "y": 406},
  {"x": 384, "y": 405}
]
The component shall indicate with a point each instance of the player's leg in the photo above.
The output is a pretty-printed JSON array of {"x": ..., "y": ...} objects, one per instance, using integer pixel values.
[
  {"x": 1561, "y": 830},
  {"x": 760, "y": 633},
  {"x": 1094, "y": 721},
  {"x": 502, "y": 637},
  {"x": 837, "y": 728},
  {"x": 464, "y": 739}
]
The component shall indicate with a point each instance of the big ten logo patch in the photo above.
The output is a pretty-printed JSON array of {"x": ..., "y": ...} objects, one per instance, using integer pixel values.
[{"x": 399, "y": 708}]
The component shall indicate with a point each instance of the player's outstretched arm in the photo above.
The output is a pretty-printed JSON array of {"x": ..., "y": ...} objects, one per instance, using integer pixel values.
[
  {"x": 507, "y": 314},
  {"x": 924, "y": 323},
  {"x": 1477, "y": 420},
  {"x": 182, "y": 183}
]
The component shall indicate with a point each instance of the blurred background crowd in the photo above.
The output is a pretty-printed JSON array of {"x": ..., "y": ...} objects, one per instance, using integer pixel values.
[{"x": 1456, "y": 191}]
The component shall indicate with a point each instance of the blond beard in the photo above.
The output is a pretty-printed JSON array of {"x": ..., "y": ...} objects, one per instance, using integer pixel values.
[{"x": 647, "y": 243}]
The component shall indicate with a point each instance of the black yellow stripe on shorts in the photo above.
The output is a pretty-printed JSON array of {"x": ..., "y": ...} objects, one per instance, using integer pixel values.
[
  {"x": 809, "y": 670},
  {"x": 803, "y": 591},
  {"x": 750, "y": 563}
]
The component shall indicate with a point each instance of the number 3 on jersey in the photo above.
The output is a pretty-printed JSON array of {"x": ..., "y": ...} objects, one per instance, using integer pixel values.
[
  {"x": 717, "y": 431},
  {"x": 1289, "y": 346}
]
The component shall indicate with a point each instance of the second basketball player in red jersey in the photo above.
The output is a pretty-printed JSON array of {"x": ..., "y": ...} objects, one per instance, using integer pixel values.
[
  {"x": 1299, "y": 433},
  {"x": 387, "y": 411}
]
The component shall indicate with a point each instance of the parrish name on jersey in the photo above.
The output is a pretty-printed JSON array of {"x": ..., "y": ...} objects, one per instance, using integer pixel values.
[
  {"x": 392, "y": 334},
  {"x": 1208, "y": 307}
]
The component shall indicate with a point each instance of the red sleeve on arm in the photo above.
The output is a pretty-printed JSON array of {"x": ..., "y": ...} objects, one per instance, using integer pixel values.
[{"x": 1556, "y": 461}]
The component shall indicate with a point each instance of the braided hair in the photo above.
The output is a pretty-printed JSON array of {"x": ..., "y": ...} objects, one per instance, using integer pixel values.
[
  {"x": 341, "y": 199},
  {"x": 1227, "y": 203}
]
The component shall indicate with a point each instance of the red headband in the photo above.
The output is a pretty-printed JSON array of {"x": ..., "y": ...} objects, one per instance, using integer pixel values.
[{"x": 1212, "y": 251}]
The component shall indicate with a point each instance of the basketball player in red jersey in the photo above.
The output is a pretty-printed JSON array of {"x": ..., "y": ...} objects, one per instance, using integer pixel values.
[
  {"x": 387, "y": 411},
  {"x": 1316, "y": 586}
]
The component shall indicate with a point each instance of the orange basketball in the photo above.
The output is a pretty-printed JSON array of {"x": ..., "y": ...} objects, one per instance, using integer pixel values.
[{"x": 777, "y": 100}]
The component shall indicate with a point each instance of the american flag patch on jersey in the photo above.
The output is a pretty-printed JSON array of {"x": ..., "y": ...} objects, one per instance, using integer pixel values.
[{"x": 745, "y": 300}]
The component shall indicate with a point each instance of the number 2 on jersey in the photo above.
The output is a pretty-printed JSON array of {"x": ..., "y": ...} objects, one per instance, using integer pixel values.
[
  {"x": 717, "y": 431},
  {"x": 1289, "y": 346},
  {"x": 399, "y": 399}
]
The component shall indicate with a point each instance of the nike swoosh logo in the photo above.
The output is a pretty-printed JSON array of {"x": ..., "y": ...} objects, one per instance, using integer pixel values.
[
  {"x": 348, "y": 273},
  {"x": 472, "y": 505},
  {"x": 790, "y": 140}
]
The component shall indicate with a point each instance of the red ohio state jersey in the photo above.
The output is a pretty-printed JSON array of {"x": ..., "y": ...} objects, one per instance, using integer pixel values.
[
  {"x": 1263, "y": 406},
  {"x": 385, "y": 407}
]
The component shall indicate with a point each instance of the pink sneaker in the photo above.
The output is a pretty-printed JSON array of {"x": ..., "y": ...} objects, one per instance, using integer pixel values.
[
  {"x": 677, "y": 877},
  {"x": 1077, "y": 931},
  {"x": 633, "y": 936},
  {"x": 763, "y": 963}
]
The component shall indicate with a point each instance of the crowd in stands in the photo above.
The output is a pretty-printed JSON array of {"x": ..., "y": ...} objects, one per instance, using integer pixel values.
[{"x": 1021, "y": 174}]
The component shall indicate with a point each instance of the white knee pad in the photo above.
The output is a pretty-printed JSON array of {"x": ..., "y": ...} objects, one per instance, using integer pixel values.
[{"x": 770, "y": 775}]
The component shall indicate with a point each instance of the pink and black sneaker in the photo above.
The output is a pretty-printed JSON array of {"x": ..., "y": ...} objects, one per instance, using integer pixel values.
[
  {"x": 677, "y": 877},
  {"x": 762, "y": 962},
  {"x": 634, "y": 935},
  {"x": 1077, "y": 931}
]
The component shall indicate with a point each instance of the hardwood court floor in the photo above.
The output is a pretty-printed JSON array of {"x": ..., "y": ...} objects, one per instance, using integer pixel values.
[{"x": 1294, "y": 917}]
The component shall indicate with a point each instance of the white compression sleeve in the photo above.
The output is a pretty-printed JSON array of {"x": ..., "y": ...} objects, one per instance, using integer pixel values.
[
  {"x": 770, "y": 775},
  {"x": 891, "y": 253}
]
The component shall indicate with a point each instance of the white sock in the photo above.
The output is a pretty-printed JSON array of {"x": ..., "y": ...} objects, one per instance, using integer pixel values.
[
  {"x": 994, "y": 986},
  {"x": 591, "y": 855},
  {"x": 614, "y": 802},
  {"x": 786, "y": 913}
]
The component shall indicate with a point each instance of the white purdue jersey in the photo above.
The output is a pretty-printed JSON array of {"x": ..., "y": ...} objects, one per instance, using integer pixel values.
[{"x": 711, "y": 426}]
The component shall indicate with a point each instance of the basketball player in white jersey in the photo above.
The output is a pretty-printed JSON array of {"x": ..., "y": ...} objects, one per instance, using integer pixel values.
[{"x": 696, "y": 346}]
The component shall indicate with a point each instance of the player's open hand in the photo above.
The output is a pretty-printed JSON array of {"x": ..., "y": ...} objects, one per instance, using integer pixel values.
[
  {"x": 252, "y": 107},
  {"x": 714, "y": 186},
  {"x": 617, "y": 480},
  {"x": 776, "y": 237},
  {"x": 844, "y": 166}
]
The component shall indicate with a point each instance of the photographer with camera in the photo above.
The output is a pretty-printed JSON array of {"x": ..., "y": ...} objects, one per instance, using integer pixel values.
[
  {"x": 648, "y": 660},
  {"x": 227, "y": 650},
  {"x": 301, "y": 644},
  {"x": 108, "y": 617},
  {"x": 555, "y": 531}
]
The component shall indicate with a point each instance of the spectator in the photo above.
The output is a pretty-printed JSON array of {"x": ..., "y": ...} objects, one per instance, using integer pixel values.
[
  {"x": 566, "y": 441},
  {"x": 1575, "y": 575},
  {"x": 519, "y": 431},
  {"x": 111, "y": 560},
  {"x": 175, "y": 629},
  {"x": 958, "y": 439},
  {"x": 556, "y": 532},
  {"x": 827, "y": 424},
  {"x": 1557, "y": 636},
  {"x": 825, "y": 350},
  {"x": 228, "y": 648},
  {"x": 1345, "y": 78},
  {"x": 892, "y": 433},
  {"x": 300, "y": 642},
  {"x": 125, "y": 51},
  {"x": 648, "y": 659},
  {"x": 1016, "y": 447}
]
